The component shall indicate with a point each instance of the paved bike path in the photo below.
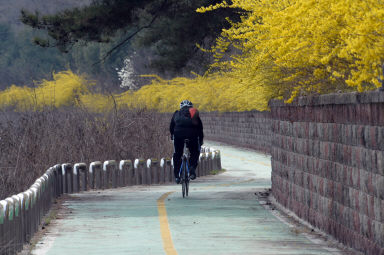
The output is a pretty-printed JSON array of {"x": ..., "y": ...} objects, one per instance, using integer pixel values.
[{"x": 222, "y": 215}]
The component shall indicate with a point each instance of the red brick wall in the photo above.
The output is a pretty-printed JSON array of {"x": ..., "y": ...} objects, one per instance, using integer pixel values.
[
  {"x": 328, "y": 165},
  {"x": 247, "y": 129},
  {"x": 327, "y": 160}
]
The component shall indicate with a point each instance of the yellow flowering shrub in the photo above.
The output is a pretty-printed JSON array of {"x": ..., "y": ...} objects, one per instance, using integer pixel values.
[
  {"x": 63, "y": 90},
  {"x": 212, "y": 93},
  {"x": 305, "y": 47}
]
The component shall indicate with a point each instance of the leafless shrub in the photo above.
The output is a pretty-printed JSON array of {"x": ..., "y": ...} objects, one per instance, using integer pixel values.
[{"x": 31, "y": 142}]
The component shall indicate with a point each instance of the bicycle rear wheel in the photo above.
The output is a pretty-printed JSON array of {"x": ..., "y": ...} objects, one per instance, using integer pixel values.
[
  {"x": 184, "y": 187},
  {"x": 186, "y": 178}
]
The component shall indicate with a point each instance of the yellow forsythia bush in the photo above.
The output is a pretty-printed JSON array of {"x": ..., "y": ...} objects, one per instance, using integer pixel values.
[
  {"x": 63, "y": 90},
  {"x": 306, "y": 47},
  {"x": 212, "y": 93}
]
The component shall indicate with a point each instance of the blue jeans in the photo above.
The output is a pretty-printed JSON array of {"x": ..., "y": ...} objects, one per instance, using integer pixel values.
[{"x": 194, "y": 149}]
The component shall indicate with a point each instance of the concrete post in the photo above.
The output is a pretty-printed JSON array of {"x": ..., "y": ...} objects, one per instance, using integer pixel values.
[
  {"x": 206, "y": 164},
  {"x": 38, "y": 185},
  {"x": 171, "y": 169},
  {"x": 110, "y": 174},
  {"x": 162, "y": 171},
  {"x": 218, "y": 157},
  {"x": 105, "y": 176},
  {"x": 214, "y": 160},
  {"x": 11, "y": 227},
  {"x": 17, "y": 223},
  {"x": 80, "y": 177},
  {"x": 203, "y": 164},
  {"x": 3, "y": 227},
  {"x": 83, "y": 176},
  {"x": 67, "y": 177},
  {"x": 55, "y": 181},
  {"x": 34, "y": 212},
  {"x": 148, "y": 174},
  {"x": 140, "y": 173},
  {"x": 209, "y": 161},
  {"x": 167, "y": 170},
  {"x": 8, "y": 228},
  {"x": 155, "y": 166},
  {"x": 36, "y": 189},
  {"x": 28, "y": 215},
  {"x": 23, "y": 198},
  {"x": 121, "y": 175},
  {"x": 50, "y": 174},
  {"x": 198, "y": 169},
  {"x": 60, "y": 186},
  {"x": 35, "y": 221},
  {"x": 46, "y": 196},
  {"x": 64, "y": 179},
  {"x": 76, "y": 179},
  {"x": 200, "y": 166},
  {"x": 152, "y": 171},
  {"x": 126, "y": 173},
  {"x": 95, "y": 175}
]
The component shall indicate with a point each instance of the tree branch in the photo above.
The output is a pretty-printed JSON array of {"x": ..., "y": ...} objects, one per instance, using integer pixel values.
[{"x": 157, "y": 14}]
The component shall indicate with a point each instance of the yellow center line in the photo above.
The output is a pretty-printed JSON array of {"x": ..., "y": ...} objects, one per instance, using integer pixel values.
[
  {"x": 244, "y": 159},
  {"x": 164, "y": 225}
]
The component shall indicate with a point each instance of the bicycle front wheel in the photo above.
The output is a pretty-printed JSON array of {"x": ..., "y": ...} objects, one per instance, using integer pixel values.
[
  {"x": 186, "y": 187},
  {"x": 183, "y": 188}
]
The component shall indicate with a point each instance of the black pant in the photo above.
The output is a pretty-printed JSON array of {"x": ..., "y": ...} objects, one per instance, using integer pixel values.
[{"x": 194, "y": 149}]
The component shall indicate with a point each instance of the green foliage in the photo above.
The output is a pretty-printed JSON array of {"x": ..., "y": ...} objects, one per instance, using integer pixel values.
[
  {"x": 97, "y": 22},
  {"x": 174, "y": 37},
  {"x": 216, "y": 172},
  {"x": 168, "y": 29},
  {"x": 22, "y": 62}
]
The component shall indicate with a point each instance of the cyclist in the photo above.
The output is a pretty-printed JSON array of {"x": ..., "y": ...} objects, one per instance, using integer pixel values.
[{"x": 186, "y": 124}]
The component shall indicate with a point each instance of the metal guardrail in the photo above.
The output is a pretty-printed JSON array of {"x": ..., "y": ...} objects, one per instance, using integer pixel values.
[{"x": 22, "y": 214}]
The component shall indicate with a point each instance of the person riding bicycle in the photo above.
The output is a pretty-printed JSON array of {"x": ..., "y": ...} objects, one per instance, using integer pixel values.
[{"x": 186, "y": 124}]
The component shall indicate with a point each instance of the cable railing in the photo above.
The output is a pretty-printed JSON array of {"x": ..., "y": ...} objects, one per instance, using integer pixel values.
[{"x": 22, "y": 214}]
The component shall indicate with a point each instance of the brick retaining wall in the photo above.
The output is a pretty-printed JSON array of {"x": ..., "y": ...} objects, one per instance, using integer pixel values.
[
  {"x": 327, "y": 160},
  {"x": 328, "y": 165},
  {"x": 247, "y": 129}
]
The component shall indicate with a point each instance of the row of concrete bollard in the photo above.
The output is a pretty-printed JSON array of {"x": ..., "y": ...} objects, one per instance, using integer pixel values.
[{"x": 21, "y": 215}]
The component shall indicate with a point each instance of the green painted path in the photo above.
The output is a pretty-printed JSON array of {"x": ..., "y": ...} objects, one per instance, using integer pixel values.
[{"x": 222, "y": 215}]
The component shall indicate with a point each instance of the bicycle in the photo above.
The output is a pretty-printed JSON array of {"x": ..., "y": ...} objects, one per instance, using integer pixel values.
[{"x": 184, "y": 170}]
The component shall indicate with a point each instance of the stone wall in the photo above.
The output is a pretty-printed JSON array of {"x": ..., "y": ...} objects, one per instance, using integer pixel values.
[
  {"x": 328, "y": 165},
  {"x": 246, "y": 129},
  {"x": 327, "y": 160}
]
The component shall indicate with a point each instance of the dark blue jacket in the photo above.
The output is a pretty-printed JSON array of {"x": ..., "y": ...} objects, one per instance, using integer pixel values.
[{"x": 186, "y": 123}]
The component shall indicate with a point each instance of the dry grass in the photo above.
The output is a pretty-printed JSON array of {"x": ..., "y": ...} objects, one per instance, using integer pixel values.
[{"x": 31, "y": 142}]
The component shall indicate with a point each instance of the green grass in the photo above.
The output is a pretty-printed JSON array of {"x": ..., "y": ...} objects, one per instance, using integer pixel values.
[{"x": 215, "y": 172}]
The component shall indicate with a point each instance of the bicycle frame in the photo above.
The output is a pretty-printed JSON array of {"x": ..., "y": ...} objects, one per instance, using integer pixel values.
[{"x": 184, "y": 170}]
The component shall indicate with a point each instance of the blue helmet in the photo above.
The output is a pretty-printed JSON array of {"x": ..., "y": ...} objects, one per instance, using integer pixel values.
[{"x": 186, "y": 103}]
